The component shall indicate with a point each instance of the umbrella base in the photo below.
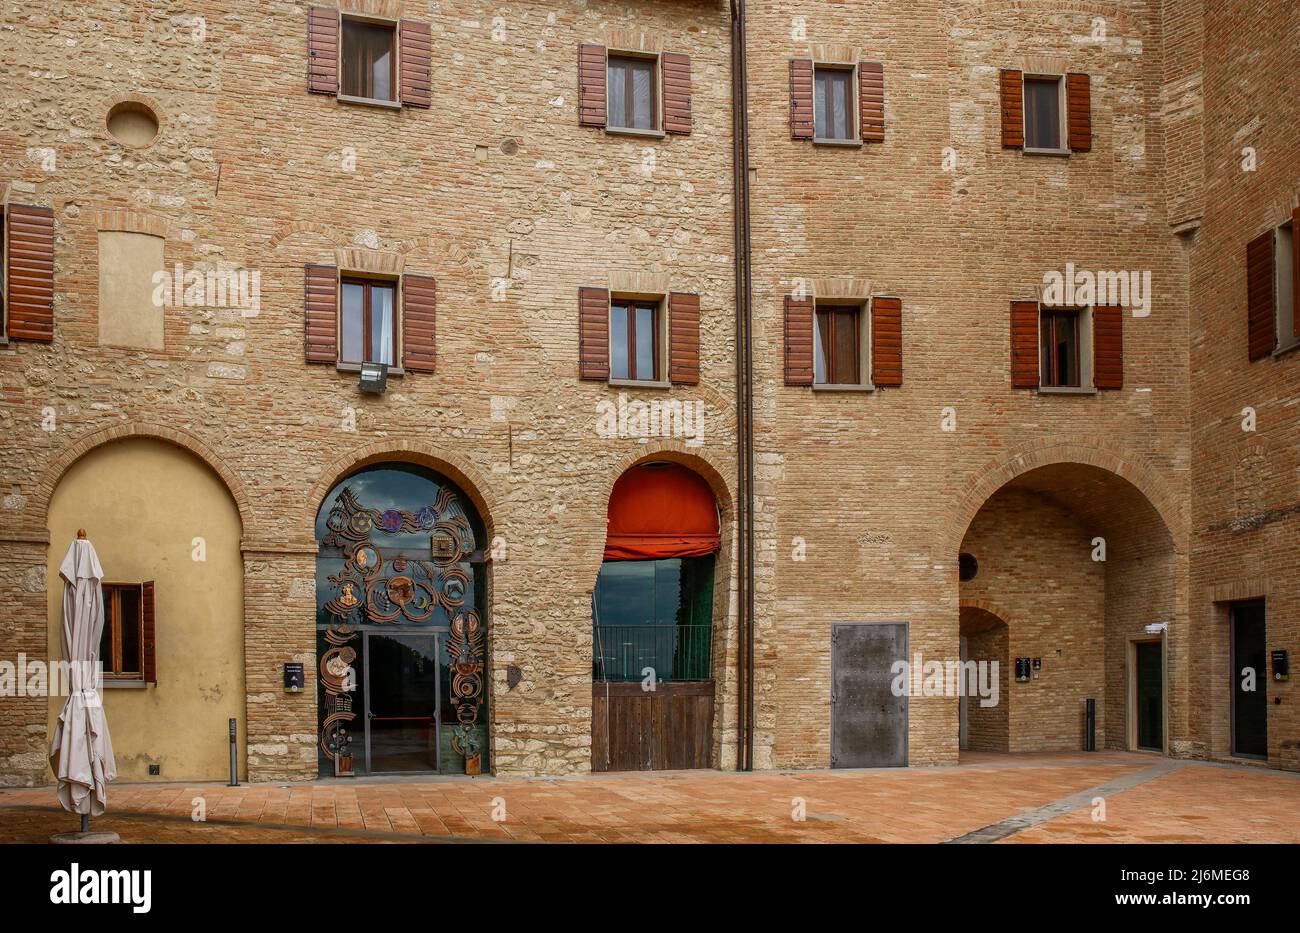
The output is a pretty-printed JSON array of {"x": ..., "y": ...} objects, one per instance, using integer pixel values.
[{"x": 85, "y": 839}]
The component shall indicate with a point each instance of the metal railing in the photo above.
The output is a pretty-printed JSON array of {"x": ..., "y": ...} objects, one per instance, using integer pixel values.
[{"x": 621, "y": 653}]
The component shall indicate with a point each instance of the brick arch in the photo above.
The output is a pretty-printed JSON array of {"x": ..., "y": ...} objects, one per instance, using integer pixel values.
[
  {"x": 675, "y": 451},
  {"x": 40, "y": 508},
  {"x": 984, "y": 605},
  {"x": 466, "y": 477},
  {"x": 1091, "y": 452},
  {"x": 1110, "y": 11}
]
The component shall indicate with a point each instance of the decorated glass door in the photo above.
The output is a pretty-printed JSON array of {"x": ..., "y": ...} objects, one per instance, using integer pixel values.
[{"x": 400, "y": 633}]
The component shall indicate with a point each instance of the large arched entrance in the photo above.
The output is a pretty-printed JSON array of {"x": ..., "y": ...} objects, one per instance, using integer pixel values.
[
  {"x": 1084, "y": 574},
  {"x": 652, "y": 623},
  {"x": 401, "y": 625}
]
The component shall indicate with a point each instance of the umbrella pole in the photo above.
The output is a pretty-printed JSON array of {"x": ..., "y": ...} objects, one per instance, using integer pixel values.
[{"x": 85, "y": 822}]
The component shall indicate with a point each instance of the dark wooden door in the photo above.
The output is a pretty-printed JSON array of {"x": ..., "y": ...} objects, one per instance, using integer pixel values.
[
  {"x": 868, "y": 723},
  {"x": 666, "y": 729},
  {"x": 1150, "y": 695},
  {"x": 1249, "y": 706}
]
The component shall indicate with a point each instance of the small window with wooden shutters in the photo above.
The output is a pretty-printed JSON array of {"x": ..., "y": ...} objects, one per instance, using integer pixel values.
[
  {"x": 1286, "y": 250},
  {"x": 1060, "y": 355},
  {"x": 127, "y": 643},
  {"x": 368, "y": 56},
  {"x": 634, "y": 335},
  {"x": 633, "y": 93},
  {"x": 837, "y": 345},
  {"x": 834, "y": 104},
  {"x": 367, "y": 321},
  {"x": 1044, "y": 113}
]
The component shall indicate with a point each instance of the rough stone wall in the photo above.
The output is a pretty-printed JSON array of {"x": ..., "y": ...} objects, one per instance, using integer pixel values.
[
  {"x": 872, "y": 483},
  {"x": 1246, "y": 492},
  {"x": 496, "y": 191}
]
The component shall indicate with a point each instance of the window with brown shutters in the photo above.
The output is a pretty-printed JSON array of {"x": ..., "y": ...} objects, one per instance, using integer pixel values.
[
  {"x": 676, "y": 68},
  {"x": 886, "y": 341},
  {"x": 801, "y": 101},
  {"x": 593, "y": 334},
  {"x": 322, "y": 50},
  {"x": 128, "y": 643},
  {"x": 684, "y": 338},
  {"x": 1013, "y": 109},
  {"x": 416, "y": 62},
  {"x": 419, "y": 323},
  {"x": 1108, "y": 347},
  {"x": 29, "y": 273},
  {"x": 871, "y": 101},
  {"x": 798, "y": 341},
  {"x": 1261, "y": 297},
  {"x": 1078, "y": 107},
  {"x": 321, "y": 314},
  {"x": 1024, "y": 344},
  {"x": 591, "y": 85}
]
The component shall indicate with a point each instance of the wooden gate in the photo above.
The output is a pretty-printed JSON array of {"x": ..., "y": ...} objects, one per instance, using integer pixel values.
[{"x": 665, "y": 729}]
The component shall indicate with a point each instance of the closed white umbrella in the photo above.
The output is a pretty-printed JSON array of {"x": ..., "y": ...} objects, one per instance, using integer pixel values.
[{"x": 81, "y": 752}]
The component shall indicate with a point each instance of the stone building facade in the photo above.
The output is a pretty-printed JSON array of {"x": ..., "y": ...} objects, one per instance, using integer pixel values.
[{"x": 503, "y": 191}]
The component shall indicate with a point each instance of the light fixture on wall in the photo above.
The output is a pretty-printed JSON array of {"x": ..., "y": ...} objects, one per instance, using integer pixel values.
[
  {"x": 1157, "y": 628},
  {"x": 374, "y": 378}
]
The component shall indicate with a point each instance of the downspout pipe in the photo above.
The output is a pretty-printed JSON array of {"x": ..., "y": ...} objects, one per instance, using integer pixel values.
[{"x": 744, "y": 392}]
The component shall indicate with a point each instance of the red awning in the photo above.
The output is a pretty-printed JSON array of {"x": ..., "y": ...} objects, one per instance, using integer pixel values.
[{"x": 661, "y": 510}]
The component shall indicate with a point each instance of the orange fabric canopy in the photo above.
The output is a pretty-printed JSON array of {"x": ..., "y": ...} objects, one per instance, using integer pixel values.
[{"x": 661, "y": 510}]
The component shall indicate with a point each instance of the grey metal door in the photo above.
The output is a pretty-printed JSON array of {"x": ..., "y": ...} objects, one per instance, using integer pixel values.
[{"x": 868, "y": 723}]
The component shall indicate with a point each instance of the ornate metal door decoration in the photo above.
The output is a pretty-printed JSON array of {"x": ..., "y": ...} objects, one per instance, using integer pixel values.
[{"x": 380, "y": 585}]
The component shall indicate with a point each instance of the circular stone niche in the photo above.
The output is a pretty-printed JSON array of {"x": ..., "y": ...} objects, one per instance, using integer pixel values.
[{"x": 132, "y": 124}]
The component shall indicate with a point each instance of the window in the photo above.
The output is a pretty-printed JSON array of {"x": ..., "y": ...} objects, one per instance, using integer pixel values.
[
  {"x": 1059, "y": 335},
  {"x": 837, "y": 346},
  {"x": 369, "y": 60},
  {"x": 121, "y": 646},
  {"x": 634, "y": 340},
  {"x": 653, "y": 613},
  {"x": 1043, "y": 109},
  {"x": 1284, "y": 264},
  {"x": 131, "y": 298},
  {"x": 632, "y": 93},
  {"x": 367, "y": 330},
  {"x": 833, "y": 103}
]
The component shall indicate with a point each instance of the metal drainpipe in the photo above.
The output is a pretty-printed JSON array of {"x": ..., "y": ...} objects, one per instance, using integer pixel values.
[{"x": 744, "y": 392}]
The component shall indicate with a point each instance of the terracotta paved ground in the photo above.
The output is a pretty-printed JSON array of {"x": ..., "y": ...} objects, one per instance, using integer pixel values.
[{"x": 1193, "y": 802}]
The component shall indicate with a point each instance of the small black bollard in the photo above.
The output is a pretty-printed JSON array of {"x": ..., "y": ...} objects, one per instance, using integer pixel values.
[
  {"x": 234, "y": 762},
  {"x": 1090, "y": 733}
]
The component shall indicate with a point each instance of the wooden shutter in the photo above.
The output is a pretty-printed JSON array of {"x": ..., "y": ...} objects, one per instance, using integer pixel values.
[
  {"x": 593, "y": 333},
  {"x": 1261, "y": 314},
  {"x": 149, "y": 639},
  {"x": 886, "y": 341},
  {"x": 1078, "y": 106},
  {"x": 29, "y": 272},
  {"x": 321, "y": 314},
  {"x": 801, "y": 98},
  {"x": 1013, "y": 111},
  {"x": 591, "y": 85},
  {"x": 415, "y": 52},
  {"x": 322, "y": 50},
  {"x": 684, "y": 338},
  {"x": 1024, "y": 344},
  {"x": 419, "y": 323},
  {"x": 871, "y": 101},
  {"x": 1295, "y": 273},
  {"x": 798, "y": 341},
  {"x": 677, "y": 93},
  {"x": 1108, "y": 347}
]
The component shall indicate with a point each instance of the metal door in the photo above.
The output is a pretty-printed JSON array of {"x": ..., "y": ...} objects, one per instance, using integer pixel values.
[{"x": 868, "y": 722}]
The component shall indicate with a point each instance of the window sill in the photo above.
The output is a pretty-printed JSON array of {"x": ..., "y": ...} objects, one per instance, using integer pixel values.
[
  {"x": 1046, "y": 152},
  {"x": 1283, "y": 351},
  {"x": 371, "y": 102},
  {"x": 356, "y": 368},
  {"x": 640, "y": 384},
  {"x": 844, "y": 143},
  {"x": 1067, "y": 390},
  {"x": 123, "y": 684},
  {"x": 632, "y": 131},
  {"x": 828, "y": 387}
]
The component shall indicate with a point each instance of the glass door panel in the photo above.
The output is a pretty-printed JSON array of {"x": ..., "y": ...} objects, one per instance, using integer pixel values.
[{"x": 402, "y": 687}]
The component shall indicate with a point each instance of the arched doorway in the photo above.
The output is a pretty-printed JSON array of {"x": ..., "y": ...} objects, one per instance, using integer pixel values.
[
  {"x": 167, "y": 531},
  {"x": 652, "y": 623},
  {"x": 401, "y": 625},
  {"x": 1083, "y": 569}
]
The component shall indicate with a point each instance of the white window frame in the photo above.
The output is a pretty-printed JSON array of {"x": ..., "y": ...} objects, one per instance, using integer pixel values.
[
  {"x": 855, "y": 131},
  {"x": 1086, "y": 385},
  {"x": 1284, "y": 297},
  {"x": 662, "y": 327},
  {"x": 864, "y": 345},
  {"x": 396, "y": 368},
  {"x": 1062, "y": 114},
  {"x": 396, "y": 102},
  {"x": 657, "y": 130}
]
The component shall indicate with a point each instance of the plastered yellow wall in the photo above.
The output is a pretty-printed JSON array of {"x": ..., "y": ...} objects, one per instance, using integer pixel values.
[
  {"x": 128, "y": 315},
  {"x": 143, "y": 503}
]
